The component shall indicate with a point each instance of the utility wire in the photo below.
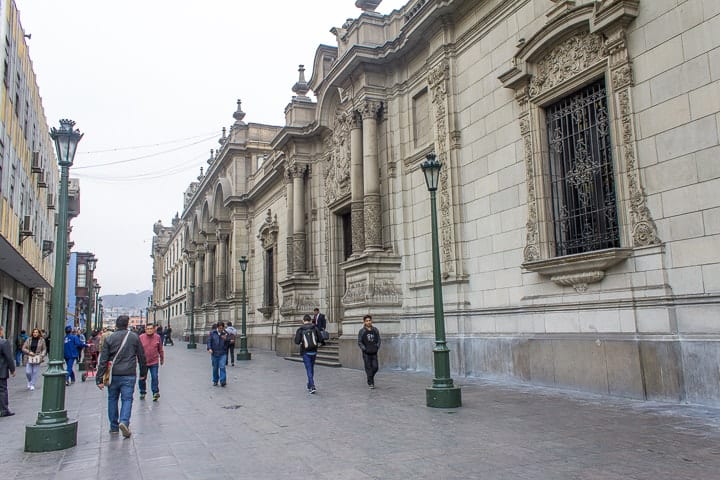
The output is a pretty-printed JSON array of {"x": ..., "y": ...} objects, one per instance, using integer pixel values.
[
  {"x": 118, "y": 149},
  {"x": 142, "y": 157}
]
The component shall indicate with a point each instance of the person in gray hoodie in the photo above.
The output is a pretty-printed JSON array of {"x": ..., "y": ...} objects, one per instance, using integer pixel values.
[{"x": 122, "y": 353}]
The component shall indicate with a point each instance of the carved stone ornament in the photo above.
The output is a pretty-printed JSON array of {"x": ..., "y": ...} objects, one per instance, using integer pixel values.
[
  {"x": 568, "y": 59},
  {"x": 357, "y": 292},
  {"x": 437, "y": 81},
  {"x": 294, "y": 303},
  {"x": 602, "y": 43},
  {"x": 337, "y": 162},
  {"x": 268, "y": 233}
]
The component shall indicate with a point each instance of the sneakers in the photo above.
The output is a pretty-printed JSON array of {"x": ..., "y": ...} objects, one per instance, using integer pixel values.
[
  {"x": 125, "y": 430},
  {"x": 372, "y": 386},
  {"x": 67, "y": 383},
  {"x": 114, "y": 432},
  {"x": 142, "y": 396},
  {"x": 215, "y": 384},
  {"x": 312, "y": 390},
  {"x": 223, "y": 384},
  {"x": 31, "y": 387},
  {"x": 28, "y": 387},
  {"x": 156, "y": 397}
]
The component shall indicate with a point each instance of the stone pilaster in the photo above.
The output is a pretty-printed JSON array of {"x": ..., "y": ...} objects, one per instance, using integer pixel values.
[
  {"x": 371, "y": 176},
  {"x": 299, "y": 238},
  {"x": 356, "y": 185},
  {"x": 221, "y": 262}
]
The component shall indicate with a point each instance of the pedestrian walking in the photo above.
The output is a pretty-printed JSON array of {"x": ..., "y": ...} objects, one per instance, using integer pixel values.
[
  {"x": 19, "y": 342},
  {"x": 217, "y": 345},
  {"x": 71, "y": 346},
  {"x": 168, "y": 336},
  {"x": 154, "y": 358},
  {"x": 321, "y": 322},
  {"x": 124, "y": 352},
  {"x": 308, "y": 337},
  {"x": 34, "y": 351},
  {"x": 7, "y": 368},
  {"x": 369, "y": 343},
  {"x": 232, "y": 336}
]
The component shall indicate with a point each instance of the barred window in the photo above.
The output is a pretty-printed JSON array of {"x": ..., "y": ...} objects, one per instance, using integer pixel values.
[{"x": 584, "y": 204}]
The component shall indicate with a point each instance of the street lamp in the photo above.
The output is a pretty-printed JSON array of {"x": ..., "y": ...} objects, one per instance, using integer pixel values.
[
  {"x": 99, "y": 313},
  {"x": 192, "y": 344},
  {"x": 91, "y": 264},
  {"x": 167, "y": 310},
  {"x": 96, "y": 287},
  {"x": 147, "y": 310},
  {"x": 442, "y": 394},
  {"x": 53, "y": 430},
  {"x": 243, "y": 353}
]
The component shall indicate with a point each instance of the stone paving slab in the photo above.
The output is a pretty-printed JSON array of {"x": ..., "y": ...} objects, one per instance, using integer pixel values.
[{"x": 264, "y": 425}]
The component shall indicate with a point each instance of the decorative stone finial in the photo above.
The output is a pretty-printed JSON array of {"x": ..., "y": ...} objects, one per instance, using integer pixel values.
[
  {"x": 223, "y": 139},
  {"x": 367, "y": 5},
  {"x": 200, "y": 177},
  {"x": 212, "y": 157},
  {"x": 301, "y": 87},
  {"x": 239, "y": 114}
]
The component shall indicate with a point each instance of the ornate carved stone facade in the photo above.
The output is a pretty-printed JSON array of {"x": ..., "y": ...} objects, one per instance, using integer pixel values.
[{"x": 620, "y": 320}]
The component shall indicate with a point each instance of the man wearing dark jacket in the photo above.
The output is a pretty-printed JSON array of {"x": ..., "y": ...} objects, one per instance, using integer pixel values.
[
  {"x": 124, "y": 350},
  {"x": 217, "y": 345},
  {"x": 308, "y": 337},
  {"x": 369, "y": 343},
  {"x": 7, "y": 368}
]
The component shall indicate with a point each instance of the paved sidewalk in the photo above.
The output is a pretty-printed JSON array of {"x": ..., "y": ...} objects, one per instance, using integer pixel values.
[{"x": 264, "y": 425}]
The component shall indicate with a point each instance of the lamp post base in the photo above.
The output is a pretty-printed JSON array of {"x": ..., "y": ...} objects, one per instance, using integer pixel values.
[
  {"x": 449, "y": 397},
  {"x": 49, "y": 438},
  {"x": 192, "y": 346},
  {"x": 243, "y": 356}
]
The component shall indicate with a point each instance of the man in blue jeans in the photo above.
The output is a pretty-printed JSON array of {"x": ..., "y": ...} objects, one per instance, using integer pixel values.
[
  {"x": 217, "y": 345},
  {"x": 124, "y": 351},
  {"x": 308, "y": 337}
]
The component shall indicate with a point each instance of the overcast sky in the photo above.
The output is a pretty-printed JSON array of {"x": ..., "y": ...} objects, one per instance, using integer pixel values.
[{"x": 151, "y": 83}]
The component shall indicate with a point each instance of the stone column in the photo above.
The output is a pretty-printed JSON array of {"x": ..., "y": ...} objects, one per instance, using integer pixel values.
[
  {"x": 221, "y": 266},
  {"x": 191, "y": 258},
  {"x": 290, "y": 212},
  {"x": 371, "y": 177},
  {"x": 208, "y": 279},
  {"x": 298, "y": 174},
  {"x": 356, "y": 184},
  {"x": 199, "y": 277}
]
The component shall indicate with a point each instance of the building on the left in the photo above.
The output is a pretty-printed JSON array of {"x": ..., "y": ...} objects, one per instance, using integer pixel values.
[{"x": 28, "y": 186}]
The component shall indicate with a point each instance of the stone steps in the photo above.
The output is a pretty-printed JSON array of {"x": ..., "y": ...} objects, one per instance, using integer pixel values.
[{"x": 328, "y": 355}]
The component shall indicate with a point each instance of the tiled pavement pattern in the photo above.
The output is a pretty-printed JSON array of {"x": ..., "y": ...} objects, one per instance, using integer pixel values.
[{"x": 264, "y": 425}]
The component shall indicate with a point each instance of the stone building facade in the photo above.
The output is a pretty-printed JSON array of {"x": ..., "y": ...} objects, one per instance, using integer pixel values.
[{"x": 579, "y": 219}]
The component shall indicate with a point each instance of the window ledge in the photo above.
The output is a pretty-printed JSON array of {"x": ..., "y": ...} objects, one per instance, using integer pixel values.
[{"x": 581, "y": 269}]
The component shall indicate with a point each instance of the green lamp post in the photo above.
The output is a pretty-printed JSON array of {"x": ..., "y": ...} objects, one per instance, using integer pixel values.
[
  {"x": 53, "y": 430},
  {"x": 192, "y": 345},
  {"x": 243, "y": 353},
  {"x": 442, "y": 394},
  {"x": 98, "y": 304},
  {"x": 91, "y": 263}
]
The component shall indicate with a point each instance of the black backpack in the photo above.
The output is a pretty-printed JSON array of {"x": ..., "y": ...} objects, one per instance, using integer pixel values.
[{"x": 310, "y": 341}]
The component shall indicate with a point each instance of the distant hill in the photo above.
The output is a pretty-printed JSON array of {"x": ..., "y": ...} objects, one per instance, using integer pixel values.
[{"x": 127, "y": 301}]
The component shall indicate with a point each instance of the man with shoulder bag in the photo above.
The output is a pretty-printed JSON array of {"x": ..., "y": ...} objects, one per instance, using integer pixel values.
[{"x": 120, "y": 357}]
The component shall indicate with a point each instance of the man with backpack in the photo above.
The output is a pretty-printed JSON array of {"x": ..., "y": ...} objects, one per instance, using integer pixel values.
[
  {"x": 308, "y": 337},
  {"x": 369, "y": 343}
]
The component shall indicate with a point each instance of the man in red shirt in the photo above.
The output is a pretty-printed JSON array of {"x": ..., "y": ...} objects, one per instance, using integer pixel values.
[{"x": 154, "y": 356}]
